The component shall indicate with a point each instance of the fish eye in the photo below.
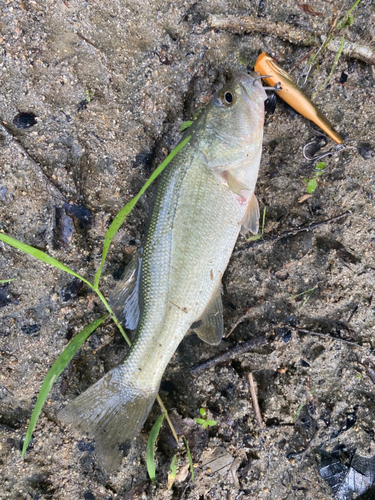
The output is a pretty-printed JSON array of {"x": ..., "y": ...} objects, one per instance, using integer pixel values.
[{"x": 228, "y": 97}]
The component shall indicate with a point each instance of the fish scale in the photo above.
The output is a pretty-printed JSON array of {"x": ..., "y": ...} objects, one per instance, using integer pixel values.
[
  {"x": 203, "y": 197},
  {"x": 178, "y": 260}
]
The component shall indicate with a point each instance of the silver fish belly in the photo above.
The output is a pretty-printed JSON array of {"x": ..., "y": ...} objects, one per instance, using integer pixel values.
[{"x": 204, "y": 197}]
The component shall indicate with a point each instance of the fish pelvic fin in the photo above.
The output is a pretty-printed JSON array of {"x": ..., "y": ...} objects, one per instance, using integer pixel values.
[
  {"x": 124, "y": 299},
  {"x": 250, "y": 222},
  {"x": 234, "y": 184},
  {"x": 112, "y": 411}
]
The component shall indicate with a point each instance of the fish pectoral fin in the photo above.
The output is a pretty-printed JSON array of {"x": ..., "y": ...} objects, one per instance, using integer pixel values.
[
  {"x": 210, "y": 326},
  {"x": 234, "y": 184},
  {"x": 250, "y": 221},
  {"x": 125, "y": 297}
]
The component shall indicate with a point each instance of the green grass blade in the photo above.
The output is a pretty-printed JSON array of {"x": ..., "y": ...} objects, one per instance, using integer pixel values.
[
  {"x": 190, "y": 459},
  {"x": 333, "y": 67},
  {"x": 124, "y": 212},
  {"x": 186, "y": 125},
  {"x": 173, "y": 472},
  {"x": 8, "y": 281},
  {"x": 55, "y": 371},
  {"x": 151, "y": 447},
  {"x": 344, "y": 19},
  {"x": 38, "y": 254}
]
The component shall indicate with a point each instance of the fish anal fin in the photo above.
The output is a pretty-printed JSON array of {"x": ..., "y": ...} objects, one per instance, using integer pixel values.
[
  {"x": 210, "y": 326},
  {"x": 124, "y": 299},
  {"x": 250, "y": 221}
]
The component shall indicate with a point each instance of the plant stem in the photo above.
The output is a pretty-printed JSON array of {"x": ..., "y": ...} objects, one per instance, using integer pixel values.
[
  {"x": 116, "y": 321},
  {"x": 164, "y": 410}
]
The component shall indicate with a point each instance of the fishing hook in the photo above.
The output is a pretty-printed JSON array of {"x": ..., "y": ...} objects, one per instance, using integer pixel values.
[
  {"x": 275, "y": 87},
  {"x": 337, "y": 149}
]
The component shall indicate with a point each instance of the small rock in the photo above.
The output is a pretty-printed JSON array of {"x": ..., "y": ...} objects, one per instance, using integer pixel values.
[
  {"x": 343, "y": 77},
  {"x": 366, "y": 150},
  {"x": 71, "y": 290},
  {"x": 24, "y": 120},
  {"x": 64, "y": 229},
  {"x": 282, "y": 275},
  {"x": 30, "y": 329}
]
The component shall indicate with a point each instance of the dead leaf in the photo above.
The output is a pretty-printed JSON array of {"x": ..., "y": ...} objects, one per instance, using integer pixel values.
[
  {"x": 304, "y": 198},
  {"x": 305, "y": 7},
  {"x": 222, "y": 462}
]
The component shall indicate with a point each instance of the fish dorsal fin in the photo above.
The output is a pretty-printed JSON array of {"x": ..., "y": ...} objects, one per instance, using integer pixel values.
[
  {"x": 210, "y": 326},
  {"x": 250, "y": 222},
  {"x": 125, "y": 297}
]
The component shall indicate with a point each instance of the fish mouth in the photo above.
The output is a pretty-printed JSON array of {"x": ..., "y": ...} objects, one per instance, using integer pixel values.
[{"x": 253, "y": 88}]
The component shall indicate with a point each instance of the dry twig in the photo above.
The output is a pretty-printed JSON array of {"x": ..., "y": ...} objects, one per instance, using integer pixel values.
[
  {"x": 254, "y": 399},
  {"x": 293, "y": 232},
  {"x": 36, "y": 166},
  {"x": 228, "y": 355},
  {"x": 243, "y": 24},
  {"x": 328, "y": 337}
]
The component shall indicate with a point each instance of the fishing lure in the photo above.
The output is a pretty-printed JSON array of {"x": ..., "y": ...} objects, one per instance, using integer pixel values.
[{"x": 292, "y": 94}]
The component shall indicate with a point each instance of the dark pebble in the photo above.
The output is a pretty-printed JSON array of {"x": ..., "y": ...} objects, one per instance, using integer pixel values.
[
  {"x": 24, "y": 120},
  {"x": 64, "y": 229},
  {"x": 71, "y": 290},
  {"x": 82, "y": 105},
  {"x": 366, "y": 150},
  {"x": 291, "y": 320},
  {"x": 4, "y": 295},
  {"x": 30, "y": 329},
  {"x": 83, "y": 215},
  {"x": 11, "y": 443},
  {"x": 343, "y": 77},
  {"x": 88, "y": 495},
  {"x": 83, "y": 446},
  {"x": 118, "y": 272},
  {"x": 287, "y": 336}
]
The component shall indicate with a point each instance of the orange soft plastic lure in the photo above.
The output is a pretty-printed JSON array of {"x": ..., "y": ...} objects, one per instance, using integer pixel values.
[{"x": 293, "y": 95}]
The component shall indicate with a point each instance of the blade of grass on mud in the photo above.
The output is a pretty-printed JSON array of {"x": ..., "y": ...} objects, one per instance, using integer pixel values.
[
  {"x": 151, "y": 447},
  {"x": 125, "y": 211},
  {"x": 38, "y": 254},
  {"x": 333, "y": 67},
  {"x": 190, "y": 459},
  {"x": 55, "y": 371},
  {"x": 8, "y": 281},
  {"x": 173, "y": 472}
]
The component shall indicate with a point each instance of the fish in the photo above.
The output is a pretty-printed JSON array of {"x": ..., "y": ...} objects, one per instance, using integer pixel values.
[
  {"x": 293, "y": 95},
  {"x": 204, "y": 199}
]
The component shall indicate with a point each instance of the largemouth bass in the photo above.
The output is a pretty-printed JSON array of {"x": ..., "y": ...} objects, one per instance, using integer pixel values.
[{"x": 204, "y": 197}]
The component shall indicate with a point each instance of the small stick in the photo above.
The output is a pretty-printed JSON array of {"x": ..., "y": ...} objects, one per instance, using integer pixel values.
[
  {"x": 164, "y": 410},
  {"x": 330, "y": 337},
  {"x": 293, "y": 232},
  {"x": 286, "y": 32},
  {"x": 37, "y": 168},
  {"x": 228, "y": 355},
  {"x": 254, "y": 399}
]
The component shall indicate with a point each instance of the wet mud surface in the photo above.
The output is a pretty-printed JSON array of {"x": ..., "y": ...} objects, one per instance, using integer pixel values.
[{"x": 92, "y": 98}]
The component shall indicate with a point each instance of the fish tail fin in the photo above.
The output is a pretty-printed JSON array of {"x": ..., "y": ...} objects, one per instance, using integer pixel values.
[{"x": 113, "y": 411}]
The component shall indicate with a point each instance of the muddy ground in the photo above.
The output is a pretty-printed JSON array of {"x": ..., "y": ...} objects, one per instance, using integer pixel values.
[{"x": 92, "y": 98}]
